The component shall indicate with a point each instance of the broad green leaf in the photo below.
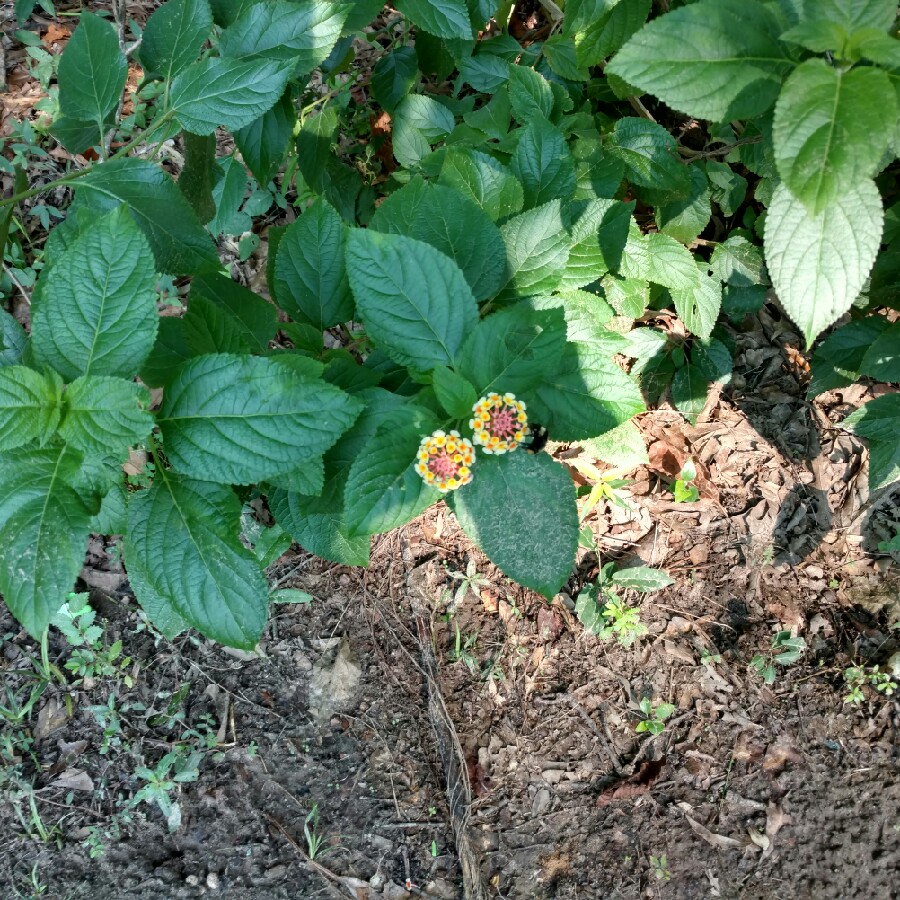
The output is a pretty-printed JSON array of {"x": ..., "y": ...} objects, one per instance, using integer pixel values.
[
  {"x": 486, "y": 72},
  {"x": 713, "y": 360},
  {"x": 598, "y": 230},
  {"x": 485, "y": 180},
  {"x": 226, "y": 11},
  {"x": 562, "y": 57},
  {"x": 92, "y": 71},
  {"x": 622, "y": 447},
  {"x": 12, "y": 340},
  {"x": 198, "y": 175},
  {"x": 183, "y": 555},
  {"x": 383, "y": 489},
  {"x": 394, "y": 76},
  {"x": 30, "y": 406},
  {"x": 97, "y": 312},
  {"x": 607, "y": 31},
  {"x": 253, "y": 318},
  {"x": 537, "y": 250},
  {"x": 308, "y": 478},
  {"x": 179, "y": 242},
  {"x": 586, "y": 315},
  {"x": 586, "y": 395},
  {"x": 661, "y": 259},
  {"x": 418, "y": 122},
  {"x": 738, "y": 302},
  {"x": 301, "y": 34},
  {"x": 240, "y": 420},
  {"x": 685, "y": 219},
  {"x": 831, "y": 129},
  {"x": 45, "y": 516},
  {"x": 714, "y": 59},
  {"x": 689, "y": 392},
  {"x": 882, "y": 360},
  {"x": 879, "y": 422},
  {"x": 736, "y": 261},
  {"x": 494, "y": 118},
  {"x": 105, "y": 416},
  {"x": 650, "y": 157},
  {"x": 511, "y": 350},
  {"x": 530, "y": 94},
  {"x": 644, "y": 579},
  {"x": 453, "y": 392},
  {"x": 542, "y": 163},
  {"x": 506, "y": 508},
  {"x": 228, "y": 193},
  {"x": 597, "y": 173},
  {"x": 838, "y": 360},
  {"x": 413, "y": 300},
  {"x": 818, "y": 264},
  {"x": 851, "y": 15},
  {"x": 443, "y": 18},
  {"x": 170, "y": 350},
  {"x": 228, "y": 92},
  {"x": 290, "y": 595},
  {"x": 264, "y": 142},
  {"x": 698, "y": 307},
  {"x": 174, "y": 35},
  {"x": 311, "y": 282},
  {"x": 726, "y": 187},
  {"x": 627, "y": 296},
  {"x": 452, "y": 223}
]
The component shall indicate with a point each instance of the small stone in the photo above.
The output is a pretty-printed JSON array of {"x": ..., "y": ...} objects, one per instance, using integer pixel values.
[
  {"x": 212, "y": 881},
  {"x": 541, "y": 802},
  {"x": 192, "y": 880},
  {"x": 552, "y": 776},
  {"x": 376, "y": 882}
]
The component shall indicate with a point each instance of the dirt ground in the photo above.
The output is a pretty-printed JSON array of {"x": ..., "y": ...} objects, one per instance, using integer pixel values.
[{"x": 750, "y": 792}]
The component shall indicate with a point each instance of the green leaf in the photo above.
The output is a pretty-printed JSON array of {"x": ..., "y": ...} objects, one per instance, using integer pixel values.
[
  {"x": 169, "y": 351},
  {"x": 311, "y": 282},
  {"x": 604, "y": 33},
  {"x": 818, "y": 264},
  {"x": 174, "y": 36},
  {"x": 714, "y": 59},
  {"x": 627, "y": 296},
  {"x": 302, "y": 34},
  {"x": 562, "y": 57},
  {"x": 852, "y": 15},
  {"x": 179, "y": 242},
  {"x": 45, "y": 516},
  {"x": 726, "y": 187},
  {"x": 698, "y": 307},
  {"x": 511, "y": 350},
  {"x": 418, "y": 122},
  {"x": 453, "y": 392},
  {"x": 485, "y": 180},
  {"x": 92, "y": 71},
  {"x": 537, "y": 250},
  {"x": 30, "y": 406},
  {"x": 599, "y": 231},
  {"x": 105, "y": 416},
  {"x": 452, "y": 223},
  {"x": 413, "y": 300},
  {"x": 383, "y": 490},
  {"x": 879, "y": 422},
  {"x": 228, "y": 92},
  {"x": 183, "y": 555},
  {"x": 196, "y": 179},
  {"x": 587, "y": 395},
  {"x": 494, "y": 117},
  {"x": 831, "y": 129},
  {"x": 882, "y": 360},
  {"x": 650, "y": 157},
  {"x": 659, "y": 258},
  {"x": 240, "y": 420},
  {"x": 542, "y": 163},
  {"x": 249, "y": 315},
  {"x": 689, "y": 392},
  {"x": 586, "y": 315},
  {"x": 597, "y": 173},
  {"x": 713, "y": 360},
  {"x": 12, "y": 340},
  {"x": 443, "y": 18},
  {"x": 622, "y": 447},
  {"x": 290, "y": 595},
  {"x": 685, "y": 219},
  {"x": 265, "y": 141},
  {"x": 394, "y": 76},
  {"x": 736, "y": 261},
  {"x": 506, "y": 508},
  {"x": 530, "y": 94},
  {"x": 97, "y": 313},
  {"x": 838, "y": 360},
  {"x": 644, "y": 579}
]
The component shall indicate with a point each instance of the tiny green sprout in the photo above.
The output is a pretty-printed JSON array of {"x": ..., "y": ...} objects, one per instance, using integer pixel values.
[
  {"x": 432, "y": 810},
  {"x": 854, "y": 677},
  {"x": 784, "y": 651},
  {"x": 434, "y": 848},
  {"x": 684, "y": 489},
  {"x": 653, "y": 717},
  {"x": 660, "y": 866}
]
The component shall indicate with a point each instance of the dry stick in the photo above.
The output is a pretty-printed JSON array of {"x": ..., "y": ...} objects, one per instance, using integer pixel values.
[{"x": 456, "y": 773}]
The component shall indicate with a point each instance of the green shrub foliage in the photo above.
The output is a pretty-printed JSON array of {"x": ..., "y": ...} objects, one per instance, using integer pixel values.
[{"x": 540, "y": 198}]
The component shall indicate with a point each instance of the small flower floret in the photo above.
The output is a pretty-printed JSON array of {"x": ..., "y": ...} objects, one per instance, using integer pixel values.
[
  {"x": 445, "y": 460},
  {"x": 499, "y": 423}
]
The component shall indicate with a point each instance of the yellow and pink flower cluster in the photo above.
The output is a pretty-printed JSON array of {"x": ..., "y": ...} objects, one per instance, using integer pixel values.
[{"x": 499, "y": 424}]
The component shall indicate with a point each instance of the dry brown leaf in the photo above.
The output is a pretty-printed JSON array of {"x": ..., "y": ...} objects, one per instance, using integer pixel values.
[
  {"x": 74, "y": 780},
  {"x": 722, "y": 841},
  {"x": 781, "y": 754},
  {"x": 51, "y": 717}
]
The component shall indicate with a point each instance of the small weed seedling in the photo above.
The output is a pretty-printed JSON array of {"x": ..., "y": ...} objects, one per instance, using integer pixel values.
[
  {"x": 314, "y": 839},
  {"x": 604, "y": 613},
  {"x": 470, "y": 581},
  {"x": 462, "y": 649},
  {"x": 784, "y": 651},
  {"x": 857, "y": 676},
  {"x": 163, "y": 782},
  {"x": 653, "y": 717},
  {"x": 684, "y": 489},
  {"x": 660, "y": 866}
]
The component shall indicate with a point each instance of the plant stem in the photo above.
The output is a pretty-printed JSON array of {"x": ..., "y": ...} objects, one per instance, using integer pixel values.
[
  {"x": 721, "y": 151},
  {"x": 74, "y": 176}
]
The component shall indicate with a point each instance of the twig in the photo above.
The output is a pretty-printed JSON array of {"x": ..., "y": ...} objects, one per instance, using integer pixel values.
[
  {"x": 721, "y": 151},
  {"x": 15, "y": 280},
  {"x": 641, "y": 110}
]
